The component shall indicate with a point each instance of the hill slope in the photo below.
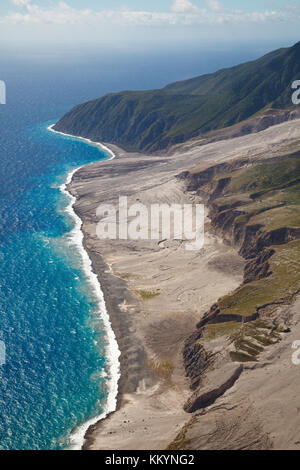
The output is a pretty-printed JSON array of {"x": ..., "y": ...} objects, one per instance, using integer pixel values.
[
  {"x": 255, "y": 207},
  {"x": 153, "y": 120}
]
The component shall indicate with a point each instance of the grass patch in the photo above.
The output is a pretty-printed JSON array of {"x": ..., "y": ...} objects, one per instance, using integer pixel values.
[
  {"x": 217, "y": 330},
  {"x": 283, "y": 283},
  {"x": 128, "y": 276},
  {"x": 147, "y": 295},
  {"x": 254, "y": 347},
  {"x": 264, "y": 340},
  {"x": 269, "y": 193},
  {"x": 163, "y": 369},
  {"x": 271, "y": 175},
  {"x": 251, "y": 339},
  {"x": 181, "y": 441},
  {"x": 259, "y": 323},
  {"x": 288, "y": 216},
  {"x": 241, "y": 357}
]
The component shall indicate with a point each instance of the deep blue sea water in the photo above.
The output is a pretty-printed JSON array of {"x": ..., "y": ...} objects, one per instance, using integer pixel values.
[{"x": 53, "y": 380}]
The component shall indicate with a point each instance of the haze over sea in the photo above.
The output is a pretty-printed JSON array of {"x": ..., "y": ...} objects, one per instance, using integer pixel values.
[{"x": 54, "y": 377}]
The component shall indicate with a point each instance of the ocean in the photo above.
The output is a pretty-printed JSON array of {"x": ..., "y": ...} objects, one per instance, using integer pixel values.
[{"x": 59, "y": 349}]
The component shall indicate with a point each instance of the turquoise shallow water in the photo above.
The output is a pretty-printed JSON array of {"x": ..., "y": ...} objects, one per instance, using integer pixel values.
[{"x": 54, "y": 376}]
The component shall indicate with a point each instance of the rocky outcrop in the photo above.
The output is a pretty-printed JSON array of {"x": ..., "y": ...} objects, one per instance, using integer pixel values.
[
  {"x": 214, "y": 316},
  {"x": 196, "y": 360},
  {"x": 219, "y": 382},
  {"x": 259, "y": 267}
]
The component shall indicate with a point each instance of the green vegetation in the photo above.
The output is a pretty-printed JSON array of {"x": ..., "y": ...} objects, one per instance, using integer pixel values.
[
  {"x": 127, "y": 276},
  {"x": 147, "y": 295},
  {"x": 266, "y": 195},
  {"x": 240, "y": 357},
  {"x": 272, "y": 175},
  {"x": 155, "y": 119},
  {"x": 251, "y": 339},
  {"x": 181, "y": 442},
  {"x": 163, "y": 369},
  {"x": 217, "y": 330},
  {"x": 279, "y": 286}
]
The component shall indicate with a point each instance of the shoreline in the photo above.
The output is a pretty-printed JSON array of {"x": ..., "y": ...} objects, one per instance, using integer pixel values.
[
  {"x": 151, "y": 329},
  {"x": 78, "y": 436},
  {"x": 85, "y": 140}
]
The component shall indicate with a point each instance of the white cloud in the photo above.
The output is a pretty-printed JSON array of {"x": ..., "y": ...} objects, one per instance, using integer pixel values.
[
  {"x": 183, "y": 12},
  {"x": 183, "y": 6},
  {"x": 214, "y": 5},
  {"x": 21, "y": 3}
]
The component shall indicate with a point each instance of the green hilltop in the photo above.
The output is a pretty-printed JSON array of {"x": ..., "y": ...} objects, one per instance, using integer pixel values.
[{"x": 156, "y": 119}]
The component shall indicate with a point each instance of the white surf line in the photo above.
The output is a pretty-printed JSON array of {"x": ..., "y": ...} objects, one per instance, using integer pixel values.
[
  {"x": 112, "y": 352},
  {"x": 87, "y": 141}
]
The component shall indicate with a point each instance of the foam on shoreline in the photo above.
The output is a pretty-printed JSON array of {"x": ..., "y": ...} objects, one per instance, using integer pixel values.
[
  {"x": 87, "y": 141},
  {"x": 113, "y": 353}
]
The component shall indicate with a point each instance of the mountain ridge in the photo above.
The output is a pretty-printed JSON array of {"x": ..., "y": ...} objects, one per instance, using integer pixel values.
[{"x": 154, "y": 120}]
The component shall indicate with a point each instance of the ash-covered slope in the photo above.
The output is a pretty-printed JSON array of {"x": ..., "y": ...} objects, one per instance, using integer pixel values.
[
  {"x": 156, "y": 119},
  {"x": 255, "y": 206}
]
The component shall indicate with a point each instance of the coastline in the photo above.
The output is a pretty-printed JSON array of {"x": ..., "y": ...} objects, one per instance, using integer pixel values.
[
  {"x": 87, "y": 141},
  {"x": 116, "y": 292},
  {"x": 77, "y": 437},
  {"x": 151, "y": 332}
]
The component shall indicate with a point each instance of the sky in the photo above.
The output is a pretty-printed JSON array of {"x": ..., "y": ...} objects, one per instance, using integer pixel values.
[{"x": 169, "y": 23}]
